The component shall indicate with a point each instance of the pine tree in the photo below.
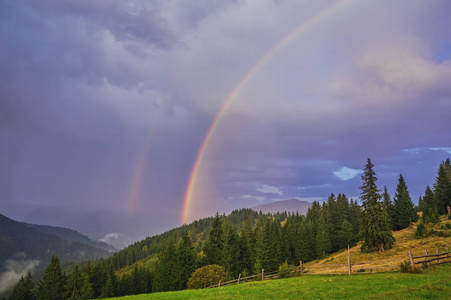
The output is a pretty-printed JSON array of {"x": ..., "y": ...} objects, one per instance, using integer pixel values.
[
  {"x": 442, "y": 190},
  {"x": 375, "y": 227},
  {"x": 213, "y": 245},
  {"x": 323, "y": 243},
  {"x": 108, "y": 289},
  {"x": 245, "y": 256},
  {"x": 389, "y": 206},
  {"x": 75, "y": 283},
  {"x": 346, "y": 235},
  {"x": 24, "y": 289},
  {"x": 186, "y": 260},
  {"x": 52, "y": 285},
  {"x": 404, "y": 212},
  {"x": 87, "y": 291},
  {"x": 354, "y": 217},
  {"x": 230, "y": 252},
  {"x": 430, "y": 213},
  {"x": 166, "y": 279}
]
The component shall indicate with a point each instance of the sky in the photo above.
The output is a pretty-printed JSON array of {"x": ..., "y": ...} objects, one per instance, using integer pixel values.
[{"x": 124, "y": 119}]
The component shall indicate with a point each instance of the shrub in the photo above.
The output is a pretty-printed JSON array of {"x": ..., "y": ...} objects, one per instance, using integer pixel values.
[
  {"x": 286, "y": 270},
  {"x": 206, "y": 276},
  {"x": 405, "y": 268},
  {"x": 421, "y": 229}
]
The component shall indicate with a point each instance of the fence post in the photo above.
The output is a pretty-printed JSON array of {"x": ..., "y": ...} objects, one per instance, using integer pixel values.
[
  {"x": 239, "y": 277},
  {"x": 428, "y": 263},
  {"x": 447, "y": 254},
  {"x": 219, "y": 284},
  {"x": 300, "y": 266},
  {"x": 412, "y": 265},
  {"x": 263, "y": 274},
  {"x": 436, "y": 252},
  {"x": 349, "y": 262}
]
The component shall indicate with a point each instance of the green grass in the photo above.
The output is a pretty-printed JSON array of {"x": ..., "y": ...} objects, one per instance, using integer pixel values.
[{"x": 434, "y": 283}]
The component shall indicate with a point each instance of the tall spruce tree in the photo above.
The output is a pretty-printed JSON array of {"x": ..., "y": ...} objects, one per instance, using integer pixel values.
[
  {"x": 166, "y": 279},
  {"x": 430, "y": 212},
  {"x": 52, "y": 285},
  {"x": 213, "y": 245},
  {"x": 24, "y": 289},
  {"x": 375, "y": 227},
  {"x": 442, "y": 190},
  {"x": 323, "y": 243},
  {"x": 230, "y": 252},
  {"x": 186, "y": 260},
  {"x": 389, "y": 206},
  {"x": 404, "y": 212},
  {"x": 354, "y": 217}
]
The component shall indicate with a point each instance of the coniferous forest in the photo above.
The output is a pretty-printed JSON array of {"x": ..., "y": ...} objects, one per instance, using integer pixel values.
[{"x": 245, "y": 242}]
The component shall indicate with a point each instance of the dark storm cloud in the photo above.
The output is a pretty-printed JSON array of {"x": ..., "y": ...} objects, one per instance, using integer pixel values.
[{"x": 90, "y": 91}]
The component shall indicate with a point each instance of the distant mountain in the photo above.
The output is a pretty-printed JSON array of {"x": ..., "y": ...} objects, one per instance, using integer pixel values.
[
  {"x": 18, "y": 239},
  {"x": 291, "y": 205},
  {"x": 71, "y": 236}
]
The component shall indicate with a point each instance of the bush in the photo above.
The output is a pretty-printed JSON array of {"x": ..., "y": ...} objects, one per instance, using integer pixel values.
[
  {"x": 206, "y": 276},
  {"x": 405, "y": 268},
  {"x": 286, "y": 270},
  {"x": 421, "y": 229}
]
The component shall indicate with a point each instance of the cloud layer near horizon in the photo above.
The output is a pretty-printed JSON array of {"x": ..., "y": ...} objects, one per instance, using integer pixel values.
[{"x": 92, "y": 92}]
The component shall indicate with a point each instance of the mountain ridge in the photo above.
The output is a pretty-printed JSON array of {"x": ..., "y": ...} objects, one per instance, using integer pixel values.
[{"x": 289, "y": 205}]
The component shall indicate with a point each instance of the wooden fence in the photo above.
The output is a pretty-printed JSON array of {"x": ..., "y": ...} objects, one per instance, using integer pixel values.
[
  {"x": 429, "y": 259},
  {"x": 349, "y": 268}
]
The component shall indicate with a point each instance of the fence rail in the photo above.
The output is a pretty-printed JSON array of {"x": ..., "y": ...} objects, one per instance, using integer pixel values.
[{"x": 439, "y": 258}]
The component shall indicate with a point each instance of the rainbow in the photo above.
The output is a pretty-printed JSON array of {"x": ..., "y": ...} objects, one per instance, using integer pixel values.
[{"x": 232, "y": 96}]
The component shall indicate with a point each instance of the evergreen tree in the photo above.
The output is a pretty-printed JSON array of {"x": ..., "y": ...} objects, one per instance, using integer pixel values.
[
  {"x": 248, "y": 244},
  {"x": 186, "y": 260},
  {"x": 269, "y": 255},
  {"x": 390, "y": 208},
  {"x": 108, "y": 289},
  {"x": 430, "y": 213},
  {"x": 167, "y": 268},
  {"x": 24, "y": 289},
  {"x": 354, "y": 217},
  {"x": 323, "y": 244},
  {"x": 51, "y": 286},
  {"x": 245, "y": 255},
  {"x": 346, "y": 235},
  {"x": 404, "y": 209},
  {"x": 442, "y": 190},
  {"x": 87, "y": 291},
  {"x": 332, "y": 221},
  {"x": 230, "y": 252},
  {"x": 375, "y": 227},
  {"x": 213, "y": 245},
  {"x": 75, "y": 284}
]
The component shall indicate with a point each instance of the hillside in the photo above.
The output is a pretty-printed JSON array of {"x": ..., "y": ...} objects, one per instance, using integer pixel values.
[
  {"x": 71, "y": 236},
  {"x": 431, "y": 283},
  {"x": 17, "y": 238},
  {"x": 290, "y": 205},
  {"x": 405, "y": 241}
]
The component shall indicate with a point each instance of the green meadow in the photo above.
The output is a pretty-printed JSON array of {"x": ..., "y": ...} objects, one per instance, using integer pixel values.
[{"x": 434, "y": 283}]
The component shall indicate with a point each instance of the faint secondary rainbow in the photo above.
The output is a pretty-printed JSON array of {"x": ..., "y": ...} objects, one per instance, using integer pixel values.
[{"x": 232, "y": 96}]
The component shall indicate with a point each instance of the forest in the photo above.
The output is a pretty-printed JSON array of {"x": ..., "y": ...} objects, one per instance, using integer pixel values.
[{"x": 245, "y": 242}]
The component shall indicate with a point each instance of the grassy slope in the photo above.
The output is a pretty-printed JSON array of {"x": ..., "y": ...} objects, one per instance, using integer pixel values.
[
  {"x": 434, "y": 283},
  {"x": 405, "y": 241},
  {"x": 431, "y": 284}
]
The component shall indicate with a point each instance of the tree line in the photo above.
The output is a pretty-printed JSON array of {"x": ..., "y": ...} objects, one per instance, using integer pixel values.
[{"x": 246, "y": 242}]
